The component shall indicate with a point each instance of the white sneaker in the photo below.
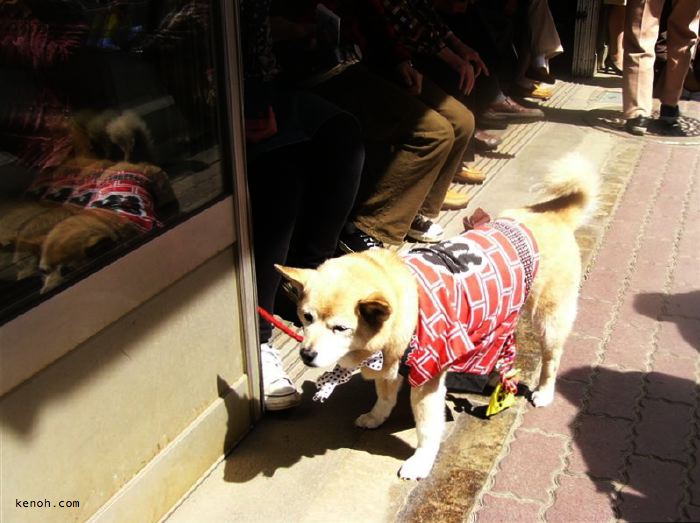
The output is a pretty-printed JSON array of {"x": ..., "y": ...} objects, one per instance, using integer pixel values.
[
  {"x": 425, "y": 230},
  {"x": 280, "y": 392}
]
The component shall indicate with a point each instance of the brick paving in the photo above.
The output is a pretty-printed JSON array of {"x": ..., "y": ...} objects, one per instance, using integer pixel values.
[{"x": 622, "y": 439}]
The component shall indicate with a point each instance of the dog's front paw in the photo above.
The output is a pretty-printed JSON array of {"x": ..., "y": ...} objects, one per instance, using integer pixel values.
[
  {"x": 369, "y": 420},
  {"x": 416, "y": 467},
  {"x": 543, "y": 397}
]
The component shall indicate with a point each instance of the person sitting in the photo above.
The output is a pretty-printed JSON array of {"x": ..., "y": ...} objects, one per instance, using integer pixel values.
[
  {"x": 492, "y": 107},
  {"x": 304, "y": 163},
  {"x": 414, "y": 141}
]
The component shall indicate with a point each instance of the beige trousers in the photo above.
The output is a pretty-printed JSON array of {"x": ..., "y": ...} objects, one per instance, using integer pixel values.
[
  {"x": 545, "y": 38},
  {"x": 641, "y": 32}
]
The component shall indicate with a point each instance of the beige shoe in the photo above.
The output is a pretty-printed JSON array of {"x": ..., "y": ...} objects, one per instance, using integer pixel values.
[
  {"x": 455, "y": 200},
  {"x": 470, "y": 175}
]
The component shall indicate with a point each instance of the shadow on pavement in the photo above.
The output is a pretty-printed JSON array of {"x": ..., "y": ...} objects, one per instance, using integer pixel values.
[
  {"x": 281, "y": 439},
  {"x": 679, "y": 308},
  {"x": 644, "y": 445}
]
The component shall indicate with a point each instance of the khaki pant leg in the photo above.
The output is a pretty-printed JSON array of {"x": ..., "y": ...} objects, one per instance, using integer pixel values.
[
  {"x": 682, "y": 34},
  {"x": 462, "y": 121},
  {"x": 641, "y": 32},
  {"x": 415, "y": 142}
]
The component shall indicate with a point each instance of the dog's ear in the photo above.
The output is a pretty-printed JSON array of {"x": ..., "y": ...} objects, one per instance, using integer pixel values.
[
  {"x": 297, "y": 277},
  {"x": 374, "y": 309}
]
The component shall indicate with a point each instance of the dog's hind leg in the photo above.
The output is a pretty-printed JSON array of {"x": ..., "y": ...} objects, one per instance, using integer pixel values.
[
  {"x": 387, "y": 391},
  {"x": 553, "y": 322},
  {"x": 428, "y": 404}
]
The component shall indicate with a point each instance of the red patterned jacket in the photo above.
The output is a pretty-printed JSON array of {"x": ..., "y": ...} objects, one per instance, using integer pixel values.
[{"x": 470, "y": 291}]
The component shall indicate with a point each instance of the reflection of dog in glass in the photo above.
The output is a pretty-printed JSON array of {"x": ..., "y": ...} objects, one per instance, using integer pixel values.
[
  {"x": 118, "y": 202},
  {"x": 130, "y": 199},
  {"x": 23, "y": 228},
  {"x": 75, "y": 241},
  {"x": 112, "y": 135}
]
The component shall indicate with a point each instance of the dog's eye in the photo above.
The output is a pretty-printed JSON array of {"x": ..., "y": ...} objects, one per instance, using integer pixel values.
[
  {"x": 308, "y": 317},
  {"x": 340, "y": 328}
]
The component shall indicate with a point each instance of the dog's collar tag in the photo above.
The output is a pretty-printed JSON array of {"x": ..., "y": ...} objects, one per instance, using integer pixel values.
[{"x": 328, "y": 381}]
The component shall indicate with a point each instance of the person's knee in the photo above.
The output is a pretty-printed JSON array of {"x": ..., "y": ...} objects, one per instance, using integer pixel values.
[
  {"x": 440, "y": 129},
  {"x": 462, "y": 120}
]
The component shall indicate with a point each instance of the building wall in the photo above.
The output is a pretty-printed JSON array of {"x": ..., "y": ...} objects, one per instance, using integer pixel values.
[{"x": 127, "y": 421}]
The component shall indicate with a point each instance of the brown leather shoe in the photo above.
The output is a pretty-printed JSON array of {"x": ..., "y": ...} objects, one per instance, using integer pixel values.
[
  {"x": 509, "y": 109},
  {"x": 470, "y": 175},
  {"x": 454, "y": 201},
  {"x": 484, "y": 141}
]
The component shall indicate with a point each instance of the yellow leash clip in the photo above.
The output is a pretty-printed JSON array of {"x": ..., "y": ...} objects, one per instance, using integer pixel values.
[{"x": 501, "y": 398}]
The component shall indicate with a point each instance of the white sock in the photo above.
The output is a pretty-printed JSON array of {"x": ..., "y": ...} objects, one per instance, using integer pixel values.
[{"x": 539, "y": 61}]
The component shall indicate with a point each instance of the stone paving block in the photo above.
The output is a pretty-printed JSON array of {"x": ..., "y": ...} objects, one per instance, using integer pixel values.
[
  {"x": 602, "y": 284},
  {"x": 641, "y": 308},
  {"x": 688, "y": 245},
  {"x": 615, "y": 393},
  {"x": 581, "y": 499},
  {"x": 624, "y": 230},
  {"x": 695, "y": 478},
  {"x": 528, "y": 469},
  {"x": 693, "y": 513},
  {"x": 654, "y": 492},
  {"x": 500, "y": 510},
  {"x": 656, "y": 248},
  {"x": 615, "y": 257},
  {"x": 579, "y": 357},
  {"x": 557, "y": 418},
  {"x": 592, "y": 318},
  {"x": 649, "y": 275},
  {"x": 687, "y": 272},
  {"x": 663, "y": 429},
  {"x": 677, "y": 183},
  {"x": 685, "y": 304},
  {"x": 629, "y": 346},
  {"x": 648, "y": 168},
  {"x": 680, "y": 337},
  {"x": 664, "y": 224},
  {"x": 599, "y": 446},
  {"x": 629, "y": 214},
  {"x": 673, "y": 378}
]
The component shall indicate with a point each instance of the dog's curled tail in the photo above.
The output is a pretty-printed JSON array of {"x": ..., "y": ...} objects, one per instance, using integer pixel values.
[{"x": 571, "y": 188}]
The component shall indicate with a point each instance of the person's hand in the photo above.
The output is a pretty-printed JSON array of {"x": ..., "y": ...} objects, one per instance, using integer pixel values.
[
  {"x": 410, "y": 77},
  {"x": 464, "y": 70},
  {"x": 258, "y": 129},
  {"x": 468, "y": 54}
]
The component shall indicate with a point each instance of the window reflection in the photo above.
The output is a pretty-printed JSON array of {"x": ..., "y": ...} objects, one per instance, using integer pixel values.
[{"x": 109, "y": 133}]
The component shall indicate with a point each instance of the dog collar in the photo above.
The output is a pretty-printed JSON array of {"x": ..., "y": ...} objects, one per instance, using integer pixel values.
[{"x": 328, "y": 381}]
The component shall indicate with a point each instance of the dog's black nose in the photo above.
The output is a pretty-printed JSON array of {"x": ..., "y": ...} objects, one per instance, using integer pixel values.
[{"x": 307, "y": 356}]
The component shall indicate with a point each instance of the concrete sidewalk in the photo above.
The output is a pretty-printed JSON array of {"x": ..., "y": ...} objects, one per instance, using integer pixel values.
[{"x": 620, "y": 440}]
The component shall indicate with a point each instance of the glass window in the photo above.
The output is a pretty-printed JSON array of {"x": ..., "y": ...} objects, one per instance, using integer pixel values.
[{"x": 109, "y": 133}]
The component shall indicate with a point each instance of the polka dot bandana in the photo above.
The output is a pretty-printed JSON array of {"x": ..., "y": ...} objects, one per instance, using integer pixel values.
[{"x": 328, "y": 381}]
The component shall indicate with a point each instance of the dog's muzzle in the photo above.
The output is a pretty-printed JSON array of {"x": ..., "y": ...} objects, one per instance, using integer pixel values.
[{"x": 307, "y": 356}]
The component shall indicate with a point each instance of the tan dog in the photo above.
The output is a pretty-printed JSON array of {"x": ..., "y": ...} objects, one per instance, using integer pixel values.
[
  {"x": 362, "y": 304},
  {"x": 78, "y": 239}
]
